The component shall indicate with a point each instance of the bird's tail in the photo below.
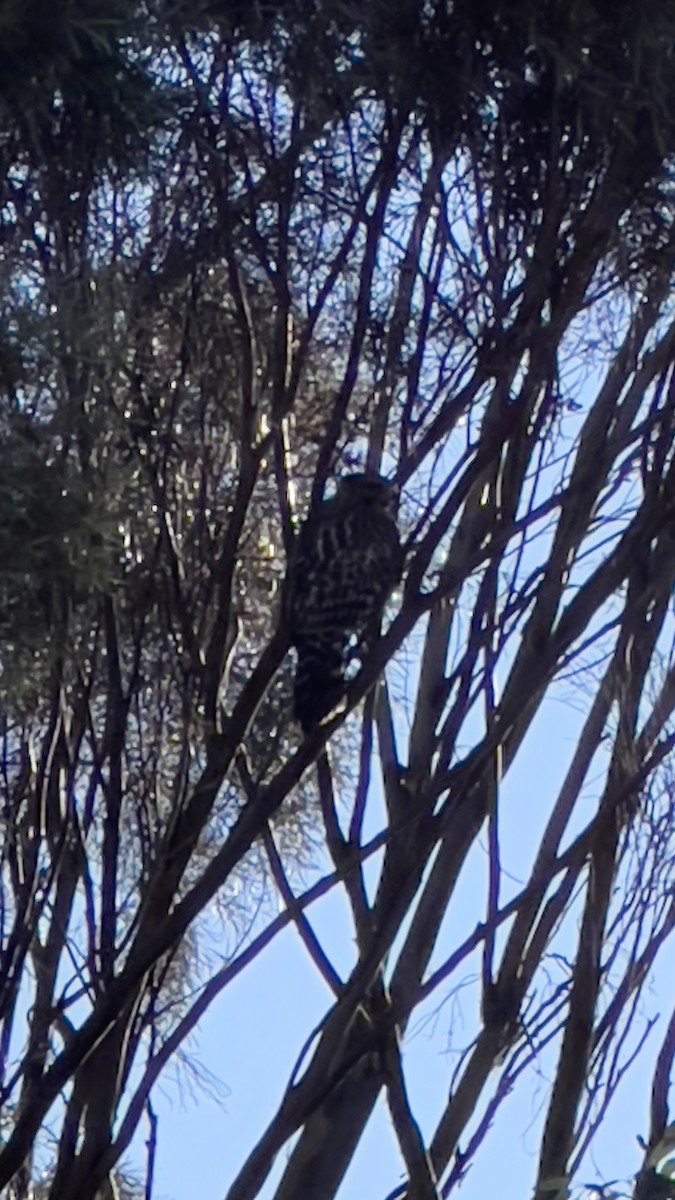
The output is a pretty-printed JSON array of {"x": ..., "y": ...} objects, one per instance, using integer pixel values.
[{"x": 318, "y": 683}]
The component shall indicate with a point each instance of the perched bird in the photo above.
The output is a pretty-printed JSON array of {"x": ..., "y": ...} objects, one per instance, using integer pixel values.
[{"x": 349, "y": 558}]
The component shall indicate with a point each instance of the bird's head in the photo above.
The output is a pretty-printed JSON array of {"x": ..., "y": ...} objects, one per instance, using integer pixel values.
[{"x": 368, "y": 490}]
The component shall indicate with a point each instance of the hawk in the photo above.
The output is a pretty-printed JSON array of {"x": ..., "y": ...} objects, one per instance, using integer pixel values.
[{"x": 348, "y": 561}]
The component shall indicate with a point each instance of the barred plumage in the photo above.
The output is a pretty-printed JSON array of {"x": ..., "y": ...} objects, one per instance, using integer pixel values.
[{"x": 349, "y": 559}]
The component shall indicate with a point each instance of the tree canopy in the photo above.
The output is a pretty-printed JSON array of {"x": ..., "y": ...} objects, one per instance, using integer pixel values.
[{"x": 246, "y": 249}]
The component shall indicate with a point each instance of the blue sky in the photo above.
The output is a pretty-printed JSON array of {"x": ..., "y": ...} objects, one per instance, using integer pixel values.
[{"x": 254, "y": 1032}]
